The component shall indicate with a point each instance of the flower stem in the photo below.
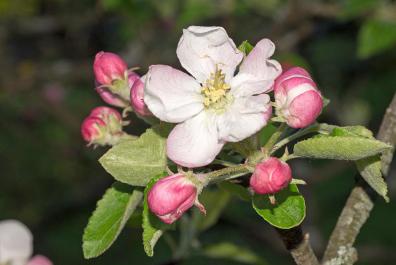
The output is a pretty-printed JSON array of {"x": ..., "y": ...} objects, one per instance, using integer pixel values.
[
  {"x": 274, "y": 138},
  {"x": 313, "y": 128},
  {"x": 227, "y": 173}
]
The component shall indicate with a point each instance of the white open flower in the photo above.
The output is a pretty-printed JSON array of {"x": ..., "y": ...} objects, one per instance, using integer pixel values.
[{"x": 212, "y": 106}]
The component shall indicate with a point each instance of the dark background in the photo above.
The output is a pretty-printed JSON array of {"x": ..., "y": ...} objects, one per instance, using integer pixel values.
[{"x": 50, "y": 180}]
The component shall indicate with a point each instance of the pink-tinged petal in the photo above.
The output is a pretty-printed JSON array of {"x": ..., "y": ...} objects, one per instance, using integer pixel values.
[
  {"x": 304, "y": 109},
  {"x": 291, "y": 72},
  {"x": 172, "y": 95},
  {"x": 200, "y": 49},
  {"x": 16, "y": 242},
  {"x": 257, "y": 72},
  {"x": 39, "y": 260},
  {"x": 194, "y": 143},
  {"x": 245, "y": 117}
]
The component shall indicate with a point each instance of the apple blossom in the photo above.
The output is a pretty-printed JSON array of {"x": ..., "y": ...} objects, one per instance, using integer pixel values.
[
  {"x": 212, "y": 106},
  {"x": 171, "y": 196},
  {"x": 297, "y": 99},
  {"x": 270, "y": 176}
]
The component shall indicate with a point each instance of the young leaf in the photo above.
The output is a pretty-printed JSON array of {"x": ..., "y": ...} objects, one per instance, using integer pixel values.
[
  {"x": 153, "y": 228},
  {"x": 339, "y": 147},
  {"x": 109, "y": 218},
  {"x": 286, "y": 213},
  {"x": 245, "y": 47},
  {"x": 355, "y": 131},
  {"x": 370, "y": 170},
  {"x": 135, "y": 162}
]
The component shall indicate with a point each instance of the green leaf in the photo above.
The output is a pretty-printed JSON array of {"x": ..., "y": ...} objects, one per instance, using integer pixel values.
[
  {"x": 288, "y": 210},
  {"x": 215, "y": 202},
  {"x": 153, "y": 228},
  {"x": 230, "y": 251},
  {"x": 339, "y": 147},
  {"x": 246, "y": 47},
  {"x": 356, "y": 131},
  {"x": 109, "y": 218},
  {"x": 135, "y": 162},
  {"x": 376, "y": 36},
  {"x": 266, "y": 133},
  {"x": 235, "y": 189},
  {"x": 370, "y": 170},
  {"x": 354, "y": 8}
]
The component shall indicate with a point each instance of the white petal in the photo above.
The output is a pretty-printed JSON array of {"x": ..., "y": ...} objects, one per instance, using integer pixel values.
[
  {"x": 200, "y": 49},
  {"x": 257, "y": 72},
  {"x": 194, "y": 143},
  {"x": 15, "y": 242},
  {"x": 245, "y": 117},
  {"x": 172, "y": 95}
]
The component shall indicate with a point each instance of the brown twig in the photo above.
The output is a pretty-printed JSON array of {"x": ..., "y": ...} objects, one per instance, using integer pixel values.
[
  {"x": 360, "y": 202},
  {"x": 298, "y": 245}
]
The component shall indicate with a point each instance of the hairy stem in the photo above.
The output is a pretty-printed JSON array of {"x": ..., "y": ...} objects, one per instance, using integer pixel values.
[
  {"x": 300, "y": 133},
  {"x": 227, "y": 173},
  {"x": 275, "y": 137},
  {"x": 361, "y": 200}
]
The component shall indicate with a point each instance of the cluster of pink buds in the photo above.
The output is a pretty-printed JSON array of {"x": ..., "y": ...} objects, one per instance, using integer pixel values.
[
  {"x": 171, "y": 196},
  {"x": 298, "y": 102},
  {"x": 117, "y": 85},
  {"x": 270, "y": 176},
  {"x": 103, "y": 126}
]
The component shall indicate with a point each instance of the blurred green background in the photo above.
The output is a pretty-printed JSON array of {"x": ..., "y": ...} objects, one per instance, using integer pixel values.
[{"x": 50, "y": 180}]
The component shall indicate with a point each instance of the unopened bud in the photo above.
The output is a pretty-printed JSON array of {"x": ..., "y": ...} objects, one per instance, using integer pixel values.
[
  {"x": 102, "y": 127},
  {"x": 297, "y": 99},
  {"x": 39, "y": 260},
  {"x": 270, "y": 176},
  {"x": 137, "y": 99},
  {"x": 171, "y": 196},
  {"x": 109, "y": 67}
]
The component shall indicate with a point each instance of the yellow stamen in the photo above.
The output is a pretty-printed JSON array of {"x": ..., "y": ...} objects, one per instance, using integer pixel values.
[{"x": 215, "y": 89}]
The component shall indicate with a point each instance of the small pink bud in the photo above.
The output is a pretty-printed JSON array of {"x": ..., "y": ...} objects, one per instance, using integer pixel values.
[
  {"x": 92, "y": 129},
  {"x": 105, "y": 113},
  {"x": 270, "y": 176},
  {"x": 108, "y": 67},
  {"x": 137, "y": 99},
  {"x": 171, "y": 196},
  {"x": 111, "y": 98},
  {"x": 39, "y": 260},
  {"x": 297, "y": 99}
]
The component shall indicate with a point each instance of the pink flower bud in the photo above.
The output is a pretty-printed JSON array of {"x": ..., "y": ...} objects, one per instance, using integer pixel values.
[
  {"x": 270, "y": 176},
  {"x": 297, "y": 99},
  {"x": 92, "y": 129},
  {"x": 137, "y": 99},
  {"x": 171, "y": 196},
  {"x": 105, "y": 113},
  {"x": 39, "y": 260},
  {"x": 111, "y": 98},
  {"x": 108, "y": 67}
]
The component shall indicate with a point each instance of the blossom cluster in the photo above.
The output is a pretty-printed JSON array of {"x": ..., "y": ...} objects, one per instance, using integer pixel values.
[{"x": 225, "y": 97}]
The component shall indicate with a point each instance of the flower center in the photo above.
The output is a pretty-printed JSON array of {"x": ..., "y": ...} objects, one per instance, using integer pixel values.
[{"x": 215, "y": 91}]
